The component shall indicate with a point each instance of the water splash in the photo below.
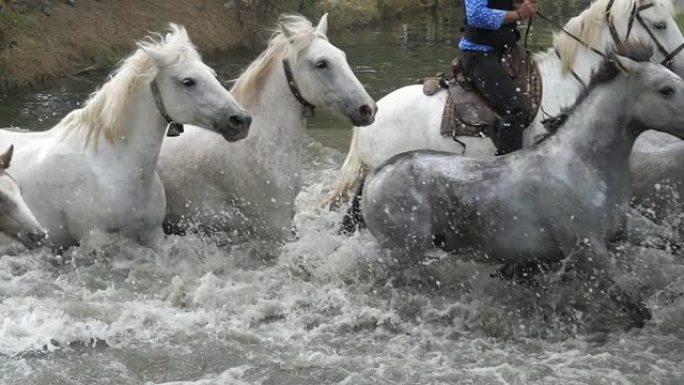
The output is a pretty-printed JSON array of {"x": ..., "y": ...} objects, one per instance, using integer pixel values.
[{"x": 330, "y": 309}]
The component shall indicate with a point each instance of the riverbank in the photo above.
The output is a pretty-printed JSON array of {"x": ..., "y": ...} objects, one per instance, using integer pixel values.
[{"x": 44, "y": 39}]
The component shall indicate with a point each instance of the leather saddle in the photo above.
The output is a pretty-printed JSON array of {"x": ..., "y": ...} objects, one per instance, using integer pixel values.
[{"x": 467, "y": 112}]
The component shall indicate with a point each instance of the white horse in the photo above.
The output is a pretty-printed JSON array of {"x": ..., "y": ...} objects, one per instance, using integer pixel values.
[
  {"x": 16, "y": 219},
  {"x": 203, "y": 187},
  {"x": 94, "y": 172},
  {"x": 409, "y": 120}
]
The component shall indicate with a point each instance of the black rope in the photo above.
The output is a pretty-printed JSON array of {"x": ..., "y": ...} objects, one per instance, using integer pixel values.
[
  {"x": 572, "y": 71},
  {"x": 565, "y": 31},
  {"x": 174, "y": 128},
  {"x": 527, "y": 32},
  {"x": 308, "y": 107}
]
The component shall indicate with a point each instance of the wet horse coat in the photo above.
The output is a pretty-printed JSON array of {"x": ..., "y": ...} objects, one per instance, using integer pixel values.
[
  {"x": 658, "y": 176},
  {"x": 567, "y": 196}
]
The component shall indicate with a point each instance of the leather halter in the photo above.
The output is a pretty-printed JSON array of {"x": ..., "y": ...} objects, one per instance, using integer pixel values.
[
  {"x": 309, "y": 109},
  {"x": 668, "y": 61},
  {"x": 174, "y": 128}
]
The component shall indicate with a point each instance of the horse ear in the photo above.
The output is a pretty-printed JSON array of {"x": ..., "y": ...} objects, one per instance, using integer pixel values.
[
  {"x": 6, "y": 158},
  {"x": 625, "y": 64},
  {"x": 322, "y": 27},
  {"x": 286, "y": 31},
  {"x": 179, "y": 31},
  {"x": 156, "y": 55}
]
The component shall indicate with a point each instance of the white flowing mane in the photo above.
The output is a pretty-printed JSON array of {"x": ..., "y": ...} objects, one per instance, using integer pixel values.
[
  {"x": 104, "y": 111},
  {"x": 280, "y": 46},
  {"x": 590, "y": 24}
]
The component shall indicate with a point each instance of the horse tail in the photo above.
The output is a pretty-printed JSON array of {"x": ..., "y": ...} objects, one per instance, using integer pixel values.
[
  {"x": 351, "y": 172},
  {"x": 353, "y": 219}
]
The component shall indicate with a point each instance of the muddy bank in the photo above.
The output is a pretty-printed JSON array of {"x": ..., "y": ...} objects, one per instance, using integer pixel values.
[{"x": 42, "y": 39}]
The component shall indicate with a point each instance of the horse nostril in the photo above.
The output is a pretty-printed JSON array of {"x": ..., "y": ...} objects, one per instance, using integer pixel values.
[
  {"x": 36, "y": 237},
  {"x": 366, "y": 110},
  {"x": 248, "y": 120},
  {"x": 241, "y": 121}
]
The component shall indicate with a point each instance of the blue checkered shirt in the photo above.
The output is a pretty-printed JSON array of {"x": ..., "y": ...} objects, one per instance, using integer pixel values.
[{"x": 479, "y": 15}]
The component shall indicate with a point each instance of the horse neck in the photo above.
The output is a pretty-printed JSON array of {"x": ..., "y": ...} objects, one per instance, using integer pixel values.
[
  {"x": 561, "y": 83},
  {"x": 598, "y": 131},
  {"x": 560, "y": 88},
  {"x": 137, "y": 152},
  {"x": 587, "y": 61},
  {"x": 278, "y": 124}
]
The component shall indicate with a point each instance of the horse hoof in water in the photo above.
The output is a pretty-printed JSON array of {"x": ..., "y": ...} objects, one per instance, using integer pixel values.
[{"x": 634, "y": 309}]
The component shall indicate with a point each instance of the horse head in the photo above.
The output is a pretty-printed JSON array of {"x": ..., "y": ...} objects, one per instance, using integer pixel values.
[
  {"x": 186, "y": 90},
  {"x": 653, "y": 21},
  {"x": 318, "y": 72},
  {"x": 16, "y": 219},
  {"x": 656, "y": 95}
]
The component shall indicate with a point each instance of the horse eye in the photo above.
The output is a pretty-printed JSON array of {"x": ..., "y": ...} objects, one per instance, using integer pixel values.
[
  {"x": 661, "y": 26},
  {"x": 321, "y": 64},
  {"x": 667, "y": 91},
  {"x": 188, "y": 82}
]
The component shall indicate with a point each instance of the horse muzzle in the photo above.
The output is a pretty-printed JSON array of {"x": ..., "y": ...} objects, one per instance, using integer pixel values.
[
  {"x": 34, "y": 238},
  {"x": 364, "y": 115},
  {"x": 234, "y": 127}
]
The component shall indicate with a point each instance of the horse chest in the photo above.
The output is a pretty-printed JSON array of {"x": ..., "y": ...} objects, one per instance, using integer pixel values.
[{"x": 118, "y": 203}]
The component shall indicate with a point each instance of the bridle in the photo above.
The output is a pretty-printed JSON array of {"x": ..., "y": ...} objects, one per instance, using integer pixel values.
[
  {"x": 175, "y": 128},
  {"x": 668, "y": 61},
  {"x": 309, "y": 109}
]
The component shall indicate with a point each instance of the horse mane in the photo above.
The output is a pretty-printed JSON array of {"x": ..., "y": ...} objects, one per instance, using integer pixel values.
[
  {"x": 607, "y": 72},
  {"x": 590, "y": 24},
  {"x": 104, "y": 111},
  {"x": 249, "y": 84}
]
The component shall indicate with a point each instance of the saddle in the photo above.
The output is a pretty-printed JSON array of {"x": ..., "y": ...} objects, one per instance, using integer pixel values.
[{"x": 467, "y": 112}]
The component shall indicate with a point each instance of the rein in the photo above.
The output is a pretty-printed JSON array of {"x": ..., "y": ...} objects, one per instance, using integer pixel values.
[
  {"x": 570, "y": 34},
  {"x": 668, "y": 61},
  {"x": 174, "y": 128},
  {"x": 309, "y": 109}
]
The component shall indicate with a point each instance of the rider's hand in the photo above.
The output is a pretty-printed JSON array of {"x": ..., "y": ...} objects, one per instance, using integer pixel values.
[{"x": 527, "y": 9}]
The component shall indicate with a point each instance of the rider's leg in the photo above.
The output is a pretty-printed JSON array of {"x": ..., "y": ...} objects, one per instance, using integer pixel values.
[{"x": 485, "y": 72}]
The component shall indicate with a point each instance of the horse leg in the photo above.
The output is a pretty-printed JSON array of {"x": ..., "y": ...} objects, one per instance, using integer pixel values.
[
  {"x": 409, "y": 240},
  {"x": 639, "y": 230},
  {"x": 525, "y": 273},
  {"x": 353, "y": 170},
  {"x": 353, "y": 219},
  {"x": 594, "y": 262},
  {"x": 153, "y": 239}
]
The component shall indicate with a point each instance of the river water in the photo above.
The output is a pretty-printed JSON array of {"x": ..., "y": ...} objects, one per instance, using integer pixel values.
[{"x": 329, "y": 310}]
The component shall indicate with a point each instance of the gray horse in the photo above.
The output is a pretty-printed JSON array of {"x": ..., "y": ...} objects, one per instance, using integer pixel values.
[
  {"x": 658, "y": 177},
  {"x": 561, "y": 200}
]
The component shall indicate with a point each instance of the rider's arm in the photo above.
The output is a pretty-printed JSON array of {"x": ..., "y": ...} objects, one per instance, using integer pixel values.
[
  {"x": 512, "y": 17},
  {"x": 481, "y": 16}
]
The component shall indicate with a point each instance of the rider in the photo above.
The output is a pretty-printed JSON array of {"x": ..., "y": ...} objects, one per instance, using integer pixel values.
[{"x": 490, "y": 32}]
